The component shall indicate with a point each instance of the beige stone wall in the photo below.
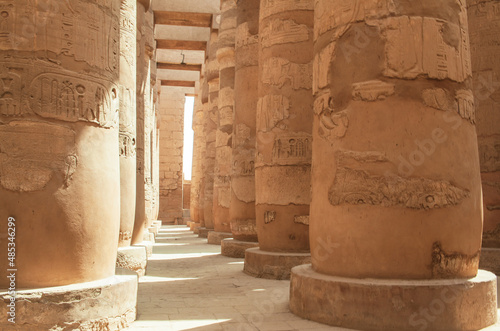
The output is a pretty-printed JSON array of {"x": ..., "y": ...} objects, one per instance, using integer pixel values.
[{"x": 171, "y": 146}]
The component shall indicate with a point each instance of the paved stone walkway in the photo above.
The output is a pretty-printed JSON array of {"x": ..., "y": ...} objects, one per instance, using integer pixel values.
[{"x": 190, "y": 286}]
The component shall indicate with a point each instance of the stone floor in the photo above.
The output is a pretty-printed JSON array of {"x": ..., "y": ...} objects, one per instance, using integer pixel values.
[{"x": 190, "y": 286}]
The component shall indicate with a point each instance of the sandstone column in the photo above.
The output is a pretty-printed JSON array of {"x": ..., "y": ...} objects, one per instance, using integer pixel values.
[
  {"x": 128, "y": 65},
  {"x": 284, "y": 124},
  {"x": 59, "y": 163},
  {"x": 223, "y": 140},
  {"x": 196, "y": 176},
  {"x": 171, "y": 144},
  {"x": 210, "y": 129},
  {"x": 396, "y": 186},
  {"x": 242, "y": 207},
  {"x": 133, "y": 258},
  {"x": 145, "y": 119},
  {"x": 485, "y": 47}
]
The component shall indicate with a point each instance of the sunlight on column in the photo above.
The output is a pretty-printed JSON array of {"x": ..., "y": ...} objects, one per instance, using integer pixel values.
[{"x": 188, "y": 138}]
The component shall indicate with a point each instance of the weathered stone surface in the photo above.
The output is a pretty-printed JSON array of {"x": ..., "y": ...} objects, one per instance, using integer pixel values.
[
  {"x": 437, "y": 305},
  {"x": 236, "y": 248},
  {"x": 127, "y": 118},
  {"x": 59, "y": 163},
  {"x": 133, "y": 258},
  {"x": 215, "y": 238},
  {"x": 483, "y": 27},
  {"x": 284, "y": 124},
  {"x": 107, "y": 304},
  {"x": 272, "y": 265}
]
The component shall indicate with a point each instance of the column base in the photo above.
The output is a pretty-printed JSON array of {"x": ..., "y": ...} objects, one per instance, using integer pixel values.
[
  {"x": 490, "y": 260},
  {"x": 157, "y": 224},
  {"x": 188, "y": 224},
  {"x": 148, "y": 236},
  {"x": 132, "y": 258},
  {"x": 236, "y": 248},
  {"x": 272, "y": 265},
  {"x": 203, "y": 232},
  {"x": 394, "y": 305},
  {"x": 148, "y": 245},
  {"x": 153, "y": 229},
  {"x": 107, "y": 304},
  {"x": 195, "y": 227},
  {"x": 215, "y": 238}
]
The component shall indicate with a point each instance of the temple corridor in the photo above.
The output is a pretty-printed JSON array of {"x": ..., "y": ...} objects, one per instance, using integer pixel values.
[{"x": 190, "y": 286}]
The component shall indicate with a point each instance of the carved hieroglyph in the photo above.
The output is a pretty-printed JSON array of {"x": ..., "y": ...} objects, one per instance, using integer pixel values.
[
  {"x": 128, "y": 145},
  {"x": 284, "y": 124},
  {"x": 59, "y": 173},
  {"x": 394, "y": 143},
  {"x": 242, "y": 207}
]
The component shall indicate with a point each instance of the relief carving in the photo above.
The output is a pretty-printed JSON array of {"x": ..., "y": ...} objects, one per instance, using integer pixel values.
[
  {"x": 450, "y": 264},
  {"x": 372, "y": 90},
  {"x": 72, "y": 99},
  {"x": 466, "y": 107},
  {"x": 283, "y": 32},
  {"x": 269, "y": 216},
  {"x": 332, "y": 125},
  {"x": 489, "y": 156},
  {"x": 430, "y": 48},
  {"x": 438, "y": 98},
  {"x": 359, "y": 187},
  {"x": 272, "y": 110},
  {"x": 278, "y": 71},
  {"x": 243, "y": 36},
  {"x": 301, "y": 220},
  {"x": 292, "y": 149},
  {"x": 127, "y": 145},
  {"x": 271, "y": 7}
]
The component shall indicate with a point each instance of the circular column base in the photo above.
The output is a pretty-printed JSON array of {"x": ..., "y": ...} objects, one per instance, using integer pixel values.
[
  {"x": 235, "y": 248},
  {"x": 188, "y": 224},
  {"x": 148, "y": 245},
  {"x": 193, "y": 225},
  {"x": 196, "y": 228},
  {"x": 272, "y": 265},
  {"x": 107, "y": 304},
  {"x": 132, "y": 258},
  {"x": 394, "y": 305},
  {"x": 490, "y": 260},
  {"x": 203, "y": 232},
  {"x": 158, "y": 224},
  {"x": 215, "y": 238}
]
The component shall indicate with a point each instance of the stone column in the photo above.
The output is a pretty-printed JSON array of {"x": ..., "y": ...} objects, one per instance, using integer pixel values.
[
  {"x": 133, "y": 258},
  {"x": 156, "y": 144},
  {"x": 485, "y": 47},
  {"x": 127, "y": 115},
  {"x": 223, "y": 140},
  {"x": 171, "y": 145},
  {"x": 210, "y": 129},
  {"x": 145, "y": 117},
  {"x": 59, "y": 164},
  {"x": 284, "y": 125},
  {"x": 242, "y": 208},
  {"x": 396, "y": 183},
  {"x": 197, "y": 162}
]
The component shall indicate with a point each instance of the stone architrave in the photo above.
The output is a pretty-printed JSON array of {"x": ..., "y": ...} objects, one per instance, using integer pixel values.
[
  {"x": 59, "y": 163},
  {"x": 145, "y": 121},
  {"x": 210, "y": 128},
  {"x": 242, "y": 207},
  {"x": 395, "y": 224},
  {"x": 127, "y": 116},
  {"x": 484, "y": 28},
  {"x": 224, "y": 134},
  {"x": 284, "y": 140}
]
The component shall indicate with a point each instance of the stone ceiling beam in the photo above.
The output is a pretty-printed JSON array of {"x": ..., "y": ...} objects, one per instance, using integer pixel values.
[
  {"x": 181, "y": 44},
  {"x": 176, "y": 66},
  {"x": 203, "y": 20}
]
